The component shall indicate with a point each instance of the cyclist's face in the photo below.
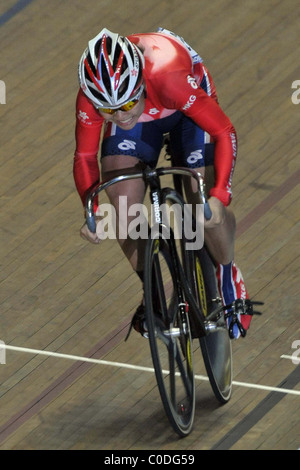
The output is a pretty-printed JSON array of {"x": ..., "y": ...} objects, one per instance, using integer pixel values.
[{"x": 126, "y": 119}]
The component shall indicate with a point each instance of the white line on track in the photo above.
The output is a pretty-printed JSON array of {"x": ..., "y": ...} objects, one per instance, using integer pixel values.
[
  {"x": 136, "y": 367},
  {"x": 295, "y": 360}
]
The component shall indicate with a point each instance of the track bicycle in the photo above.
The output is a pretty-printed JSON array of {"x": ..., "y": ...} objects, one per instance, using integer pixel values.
[{"x": 181, "y": 300}]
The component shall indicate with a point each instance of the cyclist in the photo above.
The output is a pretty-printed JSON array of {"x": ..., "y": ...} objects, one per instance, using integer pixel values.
[{"x": 136, "y": 89}]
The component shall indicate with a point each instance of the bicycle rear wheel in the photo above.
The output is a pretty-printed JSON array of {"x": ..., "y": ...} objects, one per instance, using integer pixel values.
[
  {"x": 200, "y": 273},
  {"x": 169, "y": 335},
  {"x": 216, "y": 344}
]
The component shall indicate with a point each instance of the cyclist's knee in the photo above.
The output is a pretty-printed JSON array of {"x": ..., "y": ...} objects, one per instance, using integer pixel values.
[
  {"x": 114, "y": 165},
  {"x": 220, "y": 242},
  {"x": 124, "y": 193}
]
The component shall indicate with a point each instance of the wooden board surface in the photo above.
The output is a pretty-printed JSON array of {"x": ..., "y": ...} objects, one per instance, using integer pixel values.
[{"x": 60, "y": 294}]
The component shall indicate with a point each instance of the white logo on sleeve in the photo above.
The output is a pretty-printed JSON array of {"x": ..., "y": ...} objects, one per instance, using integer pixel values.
[{"x": 82, "y": 116}]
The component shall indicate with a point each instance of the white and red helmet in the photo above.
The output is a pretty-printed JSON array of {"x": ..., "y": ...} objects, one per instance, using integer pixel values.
[{"x": 111, "y": 70}]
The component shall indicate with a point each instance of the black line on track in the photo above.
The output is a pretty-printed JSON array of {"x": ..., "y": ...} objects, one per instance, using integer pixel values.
[
  {"x": 258, "y": 413},
  {"x": 14, "y": 10}
]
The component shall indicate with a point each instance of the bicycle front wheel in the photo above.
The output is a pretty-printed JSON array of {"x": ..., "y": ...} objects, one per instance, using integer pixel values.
[{"x": 169, "y": 335}]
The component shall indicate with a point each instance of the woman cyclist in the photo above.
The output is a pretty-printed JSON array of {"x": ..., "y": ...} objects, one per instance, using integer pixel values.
[{"x": 135, "y": 90}]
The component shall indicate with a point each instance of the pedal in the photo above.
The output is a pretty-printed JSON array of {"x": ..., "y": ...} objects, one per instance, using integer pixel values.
[{"x": 240, "y": 307}]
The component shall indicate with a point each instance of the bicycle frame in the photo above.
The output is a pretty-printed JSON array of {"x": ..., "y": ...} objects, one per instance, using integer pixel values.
[
  {"x": 149, "y": 175},
  {"x": 152, "y": 178}
]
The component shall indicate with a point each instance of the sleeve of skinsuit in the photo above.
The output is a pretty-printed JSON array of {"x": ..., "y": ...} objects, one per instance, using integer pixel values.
[
  {"x": 87, "y": 133},
  {"x": 206, "y": 112}
]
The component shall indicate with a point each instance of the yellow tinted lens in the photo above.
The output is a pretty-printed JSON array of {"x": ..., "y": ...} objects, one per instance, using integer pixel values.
[
  {"x": 128, "y": 106},
  {"x": 107, "y": 110}
]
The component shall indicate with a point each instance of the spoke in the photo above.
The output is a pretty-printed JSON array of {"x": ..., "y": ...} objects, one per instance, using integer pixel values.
[
  {"x": 183, "y": 372},
  {"x": 160, "y": 287},
  {"x": 172, "y": 374},
  {"x": 175, "y": 357}
]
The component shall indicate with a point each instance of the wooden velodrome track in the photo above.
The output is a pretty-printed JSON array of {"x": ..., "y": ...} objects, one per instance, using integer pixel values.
[{"x": 63, "y": 295}]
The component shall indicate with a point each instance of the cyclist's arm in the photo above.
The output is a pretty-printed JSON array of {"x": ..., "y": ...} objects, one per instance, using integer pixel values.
[
  {"x": 88, "y": 131},
  {"x": 210, "y": 117},
  {"x": 207, "y": 113}
]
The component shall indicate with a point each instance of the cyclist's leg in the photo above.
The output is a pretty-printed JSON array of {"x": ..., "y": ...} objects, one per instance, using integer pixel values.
[
  {"x": 126, "y": 149},
  {"x": 123, "y": 150},
  {"x": 122, "y": 196},
  {"x": 191, "y": 145},
  {"x": 220, "y": 242}
]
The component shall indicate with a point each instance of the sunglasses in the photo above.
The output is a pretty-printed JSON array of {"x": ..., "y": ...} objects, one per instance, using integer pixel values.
[{"x": 126, "y": 107}]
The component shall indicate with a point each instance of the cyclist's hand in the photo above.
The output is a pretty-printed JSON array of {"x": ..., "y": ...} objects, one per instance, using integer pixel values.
[
  {"x": 91, "y": 237},
  {"x": 218, "y": 211}
]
